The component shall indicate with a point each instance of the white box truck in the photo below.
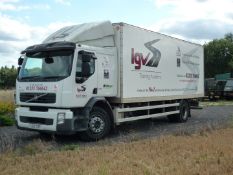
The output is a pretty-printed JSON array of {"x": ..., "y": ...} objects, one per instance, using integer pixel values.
[{"x": 91, "y": 77}]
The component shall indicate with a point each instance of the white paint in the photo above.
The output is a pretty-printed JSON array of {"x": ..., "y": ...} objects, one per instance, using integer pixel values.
[{"x": 166, "y": 79}]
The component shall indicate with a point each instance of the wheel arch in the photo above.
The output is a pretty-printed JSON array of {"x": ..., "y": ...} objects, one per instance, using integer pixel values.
[{"x": 102, "y": 103}]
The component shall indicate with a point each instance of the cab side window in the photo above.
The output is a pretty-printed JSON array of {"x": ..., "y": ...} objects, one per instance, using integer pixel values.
[{"x": 85, "y": 66}]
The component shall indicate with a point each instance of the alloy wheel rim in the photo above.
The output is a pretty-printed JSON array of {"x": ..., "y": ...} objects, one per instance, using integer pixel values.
[{"x": 96, "y": 125}]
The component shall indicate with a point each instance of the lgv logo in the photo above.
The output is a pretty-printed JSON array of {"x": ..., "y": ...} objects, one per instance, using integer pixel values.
[{"x": 138, "y": 59}]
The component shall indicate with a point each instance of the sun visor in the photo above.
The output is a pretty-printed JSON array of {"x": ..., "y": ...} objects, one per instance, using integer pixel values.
[{"x": 99, "y": 34}]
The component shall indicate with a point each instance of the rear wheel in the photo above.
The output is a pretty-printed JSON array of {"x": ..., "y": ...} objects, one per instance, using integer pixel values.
[
  {"x": 98, "y": 125},
  {"x": 183, "y": 115}
]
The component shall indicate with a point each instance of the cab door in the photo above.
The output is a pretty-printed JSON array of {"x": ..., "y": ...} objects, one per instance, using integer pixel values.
[{"x": 86, "y": 77}]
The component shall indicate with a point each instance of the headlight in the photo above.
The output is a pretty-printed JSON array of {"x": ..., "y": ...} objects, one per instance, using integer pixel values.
[{"x": 61, "y": 118}]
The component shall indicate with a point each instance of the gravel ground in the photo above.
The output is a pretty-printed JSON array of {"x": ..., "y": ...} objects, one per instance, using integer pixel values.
[
  {"x": 11, "y": 137},
  {"x": 205, "y": 119}
]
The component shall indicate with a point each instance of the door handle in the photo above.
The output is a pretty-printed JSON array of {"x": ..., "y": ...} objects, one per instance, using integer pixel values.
[{"x": 95, "y": 91}]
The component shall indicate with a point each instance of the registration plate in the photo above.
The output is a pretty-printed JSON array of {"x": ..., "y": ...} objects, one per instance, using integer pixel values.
[{"x": 35, "y": 126}]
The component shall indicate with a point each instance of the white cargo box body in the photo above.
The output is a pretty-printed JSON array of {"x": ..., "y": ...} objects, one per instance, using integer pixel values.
[{"x": 155, "y": 67}]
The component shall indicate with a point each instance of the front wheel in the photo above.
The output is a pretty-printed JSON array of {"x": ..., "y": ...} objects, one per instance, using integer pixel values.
[
  {"x": 98, "y": 125},
  {"x": 183, "y": 115}
]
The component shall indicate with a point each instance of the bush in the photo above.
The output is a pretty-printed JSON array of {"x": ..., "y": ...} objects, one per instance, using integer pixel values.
[
  {"x": 7, "y": 77},
  {"x": 6, "y": 120},
  {"x": 6, "y": 111},
  {"x": 7, "y": 108}
]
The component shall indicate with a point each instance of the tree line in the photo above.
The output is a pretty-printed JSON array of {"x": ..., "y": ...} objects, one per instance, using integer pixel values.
[
  {"x": 7, "y": 77},
  {"x": 218, "y": 56}
]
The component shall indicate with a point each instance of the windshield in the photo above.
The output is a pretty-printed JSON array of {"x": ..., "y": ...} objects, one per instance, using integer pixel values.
[
  {"x": 46, "y": 65},
  {"x": 229, "y": 83}
]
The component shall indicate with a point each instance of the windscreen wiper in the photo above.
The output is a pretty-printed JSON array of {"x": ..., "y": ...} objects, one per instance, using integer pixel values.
[
  {"x": 51, "y": 77},
  {"x": 31, "y": 77}
]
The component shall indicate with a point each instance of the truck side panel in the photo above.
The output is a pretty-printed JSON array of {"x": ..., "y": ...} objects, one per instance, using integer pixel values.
[{"x": 159, "y": 67}]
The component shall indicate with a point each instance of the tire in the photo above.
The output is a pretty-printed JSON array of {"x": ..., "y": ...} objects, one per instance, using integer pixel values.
[
  {"x": 183, "y": 115},
  {"x": 98, "y": 126}
]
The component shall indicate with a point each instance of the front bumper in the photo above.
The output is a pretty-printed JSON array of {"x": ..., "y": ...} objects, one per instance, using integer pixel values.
[{"x": 47, "y": 121}]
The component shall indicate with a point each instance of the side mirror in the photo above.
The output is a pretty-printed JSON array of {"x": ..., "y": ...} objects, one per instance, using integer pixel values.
[
  {"x": 20, "y": 61},
  {"x": 86, "y": 58},
  {"x": 49, "y": 60},
  {"x": 86, "y": 69}
]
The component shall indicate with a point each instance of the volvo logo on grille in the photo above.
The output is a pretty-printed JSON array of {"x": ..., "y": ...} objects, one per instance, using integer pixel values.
[{"x": 36, "y": 97}]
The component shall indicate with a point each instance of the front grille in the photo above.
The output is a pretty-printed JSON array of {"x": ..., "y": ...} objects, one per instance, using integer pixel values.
[
  {"x": 35, "y": 120},
  {"x": 38, "y": 97},
  {"x": 39, "y": 108}
]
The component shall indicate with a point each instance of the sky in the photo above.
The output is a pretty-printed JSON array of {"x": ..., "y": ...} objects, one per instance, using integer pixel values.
[{"x": 28, "y": 22}]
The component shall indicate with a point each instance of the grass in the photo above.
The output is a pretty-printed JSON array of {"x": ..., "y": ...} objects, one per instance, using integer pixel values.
[
  {"x": 7, "y": 96},
  {"x": 211, "y": 153},
  {"x": 37, "y": 146},
  {"x": 6, "y": 120},
  {"x": 69, "y": 147}
]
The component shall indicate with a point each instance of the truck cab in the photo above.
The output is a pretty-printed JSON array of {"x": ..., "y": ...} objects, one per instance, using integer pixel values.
[
  {"x": 228, "y": 90},
  {"x": 56, "y": 81}
]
